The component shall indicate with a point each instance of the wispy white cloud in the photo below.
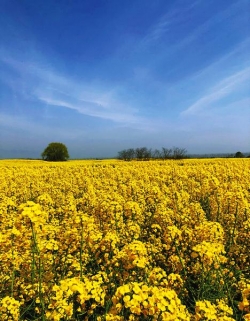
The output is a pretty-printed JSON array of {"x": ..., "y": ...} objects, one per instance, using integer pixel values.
[
  {"x": 200, "y": 30},
  {"x": 157, "y": 31},
  {"x": 222, "y": 89},
  {"x": 167, "y": 21},
  {"x": 170, "y": 20},
  {"x": 235, "y": 54},
  {"x": 93, "y": 109},
  {"x": 41, "y": 82}
]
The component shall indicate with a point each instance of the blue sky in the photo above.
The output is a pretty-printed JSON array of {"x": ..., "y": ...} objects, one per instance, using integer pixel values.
[{"x": 101, "y": 76}]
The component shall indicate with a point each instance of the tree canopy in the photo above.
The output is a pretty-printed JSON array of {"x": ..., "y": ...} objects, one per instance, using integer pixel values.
[
  {"x": 55, "y": 152},
  {"x": 239, "y": 155}
]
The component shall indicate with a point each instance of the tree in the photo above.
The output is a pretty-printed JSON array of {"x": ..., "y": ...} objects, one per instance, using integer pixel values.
[
  {"x": 166, "y": 153},
  {"x": 143, "y": 153},
  {"x": 179, "y": 153},
  {"x": 55, "y": 152},
  {"x": 156, "y": 154},
  {"x": 238, "y": 155},
  {"x": 126, "y": 154}
]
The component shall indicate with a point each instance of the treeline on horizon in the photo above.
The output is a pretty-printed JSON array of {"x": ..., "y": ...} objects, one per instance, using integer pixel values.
[
  {"x": 144, "y": 153},
  {"x": 59, "y": 152}
]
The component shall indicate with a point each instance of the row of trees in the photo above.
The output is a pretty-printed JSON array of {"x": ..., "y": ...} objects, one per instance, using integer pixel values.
[
  {"x": 59, "y": 152},
  {"x": 144, "y": 153}
]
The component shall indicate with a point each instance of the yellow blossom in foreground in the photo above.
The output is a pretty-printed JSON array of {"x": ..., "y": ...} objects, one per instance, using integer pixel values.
[
  {"x": 114, "y": 240},
  {"x": 9, "y": 309}
]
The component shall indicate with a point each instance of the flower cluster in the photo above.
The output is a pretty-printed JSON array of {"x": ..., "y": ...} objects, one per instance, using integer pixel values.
[{"x": 139, "y": 299}]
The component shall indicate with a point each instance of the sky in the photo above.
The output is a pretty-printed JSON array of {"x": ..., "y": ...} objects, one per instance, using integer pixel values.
[{"x": 101, "y": 76}]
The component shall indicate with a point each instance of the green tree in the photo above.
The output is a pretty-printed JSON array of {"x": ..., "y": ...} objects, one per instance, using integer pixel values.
[
  {"x": 55, "y": 152},
  {"x": 238, "y": 155}
]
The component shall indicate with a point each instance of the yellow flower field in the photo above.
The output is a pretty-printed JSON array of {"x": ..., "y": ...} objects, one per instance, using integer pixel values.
[{"x": 113, "y": 240}]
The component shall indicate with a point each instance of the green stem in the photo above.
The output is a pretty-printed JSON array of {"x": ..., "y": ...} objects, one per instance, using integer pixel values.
[
  {"x": 234, "y": 227},
  {"x": 81, "y": 246},
  {"x": 13, "y": 268},
  {"x": 33, "y": 263},
  {"x": 35, "y": 250}
]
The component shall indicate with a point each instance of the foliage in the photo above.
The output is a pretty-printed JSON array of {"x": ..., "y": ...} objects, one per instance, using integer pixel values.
[
  {"x": 55, "y": 152},
  {"x": 111, "y": 240},
  {"x": 179, "y": 153},
  {"x": 238, "y": 155},
  {"x": 143, "y": 153},
  {"x": 126, "y": 154}
]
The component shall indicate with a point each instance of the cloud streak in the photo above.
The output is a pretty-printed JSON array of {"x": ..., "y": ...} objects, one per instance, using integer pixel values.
[
  {"x": 170, "y": 21},
  {"x": 222, "y": 89},
  {"x": 166, "y": 22},
  {"x": 93, "y": 109},
  {"x": 49, "y": 87},
  {"x": 233, "y": 55}
]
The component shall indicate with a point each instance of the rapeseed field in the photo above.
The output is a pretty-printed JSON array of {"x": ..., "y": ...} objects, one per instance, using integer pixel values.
[{"x": 113, "y": 240}]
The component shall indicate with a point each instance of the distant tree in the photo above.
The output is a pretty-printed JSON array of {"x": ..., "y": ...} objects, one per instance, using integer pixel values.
[
  {"x": 179, "y": 153},
  {"x": 55, "y": 152},
  {"x": 156, "y": 154},
  {"x": 166, "y": 153},
  {"x": 126, "y": 154},
  {"x": 143, "y": 153},
  {"x": 139, "y": 153},
  {"x": 130, "y": 153},
  {"x": 147, "y": 153},
  {"x": 121, "y": 155},
  {"x": 238, "y": 155}
]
